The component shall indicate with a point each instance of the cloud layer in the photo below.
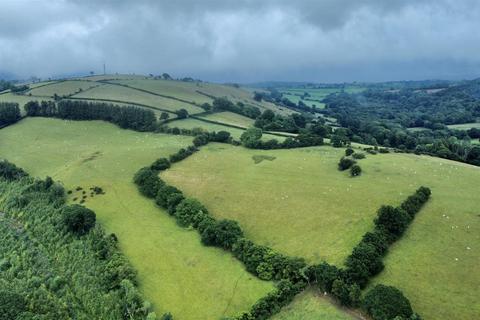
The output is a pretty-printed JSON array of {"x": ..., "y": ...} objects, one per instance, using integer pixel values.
[{"x": 244, "y": 40}]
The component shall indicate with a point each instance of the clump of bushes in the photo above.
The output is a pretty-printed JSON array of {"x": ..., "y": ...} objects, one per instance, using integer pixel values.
[
  {"x": 160, "y": 164},
  {"x": 345, "y": 163},
  {"x": 358, "y": 155},
  {"x": 148, "y": 182},
  {"x": 182, "y": 154},
  {"x": 349, "y": 152},
  {"x": 9, "y": 171}
]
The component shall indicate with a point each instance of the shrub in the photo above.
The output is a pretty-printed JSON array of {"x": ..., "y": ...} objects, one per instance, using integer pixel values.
[
  {"x": 324, "y": 275},
  {"x": 164, "y": 193},
  {"x": 190, "y": 212},
  {"x": 78, "y": 219},
  {"x": 377, "y": 239},
  {"x": 173, "y": 200},
  {"x": 364, "y": 262},
  {"x": 200, "y": 140},
  {"x": 358, "y": 155},
  {"x": 148, "y": 182},
  {"x": 223, "y": 233},
  {"x": 345, "y": 163},
  {"x": 347, "y": 294},
  {"x": 160, "y": 164},
  {"x": 349, "y": 152},
  {"x": 355, "y": 170},
  {"x": 386, "y": 302}
]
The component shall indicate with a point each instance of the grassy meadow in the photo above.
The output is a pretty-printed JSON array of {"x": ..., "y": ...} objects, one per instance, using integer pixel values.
[
  {"x": 297, "y": 202},
  {"x": 176, "y": 272},
  {"x": 62, "y": 88},
  {"x": 312, "y": 305},
  {"x": 465, "y": 126},
  {"x": 20, "y": 99},
  {"x": 115, "y": 92},
  {"x": 230, "y": 118}
]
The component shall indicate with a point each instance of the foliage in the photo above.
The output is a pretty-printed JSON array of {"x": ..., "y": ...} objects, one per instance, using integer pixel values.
[
  {"x": 386, "y": 303},
  {"x": 160, "y": 164},
  {"x": 223, "y": 233},
  {"x": 148, "y": 182},
  {"x": 9, "y": 113},
  {"x": 10, "y": 171},
  {"x": 223, "y": 104},
  {"x": 345, "y": 163},
  {"x": 355, "y": 170},
  {"x": 78, "y": 219}
]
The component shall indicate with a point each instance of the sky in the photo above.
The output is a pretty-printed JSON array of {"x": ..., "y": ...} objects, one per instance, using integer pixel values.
[{"x": 243, "y": 40}]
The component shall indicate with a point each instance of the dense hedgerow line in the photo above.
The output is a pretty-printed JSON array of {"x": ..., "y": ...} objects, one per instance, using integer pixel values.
[{"x": 56, "y": 263}]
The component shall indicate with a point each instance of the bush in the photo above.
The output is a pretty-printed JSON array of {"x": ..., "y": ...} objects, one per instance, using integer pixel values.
[
  {"x": 164, "y": 192},
  {"x": 78, "y": 219},
  {"x": 349, "y": 152},
  {"x": 345, "y": 163},
  {"x": 386, "y": 302},
  {"x": 364, "y": 262},
  {"x": 324, "y": 275},
  {"x": 190, "y": 212},
  {"x": 200, "y": 140},
  {"x": 160, "y": 164},
  {"x": 358, "y": 156},
  {"x": 355, "y": 170},
  {"x": 223, "y": 233}
]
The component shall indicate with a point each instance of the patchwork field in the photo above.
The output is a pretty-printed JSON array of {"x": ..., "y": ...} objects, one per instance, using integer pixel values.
[
  {"x": 176, "y": 272},
  {"x": 298, "y": 202},
  {"x": 20, "y": 99},
  {"x": 315, "y": 95}
]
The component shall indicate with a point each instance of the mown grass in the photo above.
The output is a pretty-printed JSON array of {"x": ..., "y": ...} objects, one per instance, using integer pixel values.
[
  {"x": 230, "y": 118},
  {"x": 311, "y": 305},
  {"x": 300, "y": 204},
  {"x": 115, "y": 92},
  {"x": 465, "y": 126},
  {"x": 63, "y": 88},
  {"x": 176, "y": 272}
]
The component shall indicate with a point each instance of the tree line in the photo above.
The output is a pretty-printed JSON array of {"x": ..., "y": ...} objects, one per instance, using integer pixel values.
[{"x": 9, "y": 113}]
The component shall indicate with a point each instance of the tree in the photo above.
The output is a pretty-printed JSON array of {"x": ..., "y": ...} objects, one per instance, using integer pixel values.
[
  {"x": 164, "y": 116},
  {"x": 190, "y": 212},
  {"x": 355, "y": 170},
  {"x": 160, "y": 164},
  {"x": 223, "y": 233},
  {"x": 182, "y": 113},
  {"x": 166, "y": 76},
  {"x": 393, "y": 220},
  {"x": 257, "y": 96},
  {"x": 11, "y": 305},
  {"x": 78, "y": 219},
  {"x": 349, "y": 152},
  {"x": 200, "y": 140},
  {"x": 148, "y": 182},
  {"x": 251, "y": 137},
  {"x": 386, "y": 302}
]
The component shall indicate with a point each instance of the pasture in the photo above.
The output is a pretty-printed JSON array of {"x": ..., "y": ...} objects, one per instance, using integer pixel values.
[
  {"x": 124, "y": 94},
  {"x": 230, "y": 118},
  {"x": 316, "y": 95},
  {"x": 312, "y": 305},
  {"x": 176, "y": 272},
  {"x": 464, "y": 126},
  {"x": 297, "y": 202},
  {"x": 20, "y": 99},
  {"x": 62, "y": 88}
]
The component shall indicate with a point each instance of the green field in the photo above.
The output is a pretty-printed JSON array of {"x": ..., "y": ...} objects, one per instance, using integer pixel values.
[
  {"x": 465, "y": 126},
  {"x": 297, "y": 202},
  {"x": 176, "y": 272},
  {"x": 316, "y": 95},
  {"x": 230, "y": 118},
  {"x": 115, "y": 92},
  {"x": 311, "y": 305},
  {"x": 20, "y": 99},
  {"x": 63, "y": 88}
]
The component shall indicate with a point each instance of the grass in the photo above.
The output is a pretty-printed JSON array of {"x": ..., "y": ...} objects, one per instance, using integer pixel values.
[
  {"x": 176, "y": 273},
  {"x": 230, "y": 118},
  {"x": 300, "y": 204},
  {"x": 179, "y": 89},
  {"x": 191, "y": 123},
  {"x": 311, "y": 305},
  {"x": 465, "y": 126},
  {"x": 20, "y": 99},
  {"x": 114, "y": 92},
  {"x": 63, "y": 88}
]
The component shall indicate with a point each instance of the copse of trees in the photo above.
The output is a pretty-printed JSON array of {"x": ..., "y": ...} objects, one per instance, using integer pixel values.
[
  {"x": 9, "y": 113},
  {"x": 91, "y": 267}
]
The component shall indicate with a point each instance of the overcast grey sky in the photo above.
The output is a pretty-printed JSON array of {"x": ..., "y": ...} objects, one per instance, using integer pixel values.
[{"x": 244, "y": 40}]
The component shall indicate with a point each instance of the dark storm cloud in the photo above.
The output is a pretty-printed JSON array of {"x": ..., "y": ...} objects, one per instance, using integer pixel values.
[{"x": 249, "y": 40}]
